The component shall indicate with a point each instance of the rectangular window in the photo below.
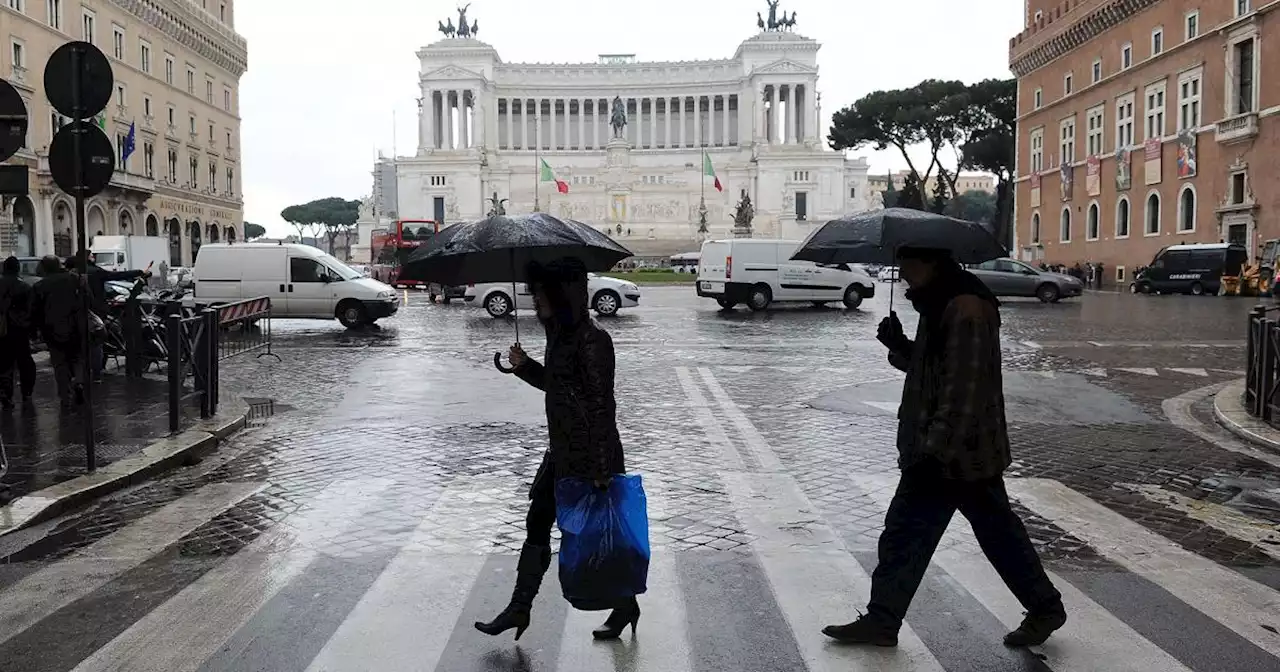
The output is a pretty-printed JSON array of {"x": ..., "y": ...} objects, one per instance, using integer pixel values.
[
  {"x": 1096, "y": 119},
  {"x": 213, "y": 176},
  {"x": 208, "y": 91},
  {"x": 53, "y": 13},
  {"x": 168, "y": 69},
  {"x": 1067, "y": 141},
  {"x": 1237, "y": 189},
  {"x": 19, "y": 54},
  {"x": 1126, "y": 56},
  {"x": 149, "y": 160},
  {"x": 1242, "y": 7},
  {"x": 195, "y": 172},
  {"x": 1039, "y": 98},
  {"x": 18, "y": 6},
  {"x": 144, "y": 56},
  {"x": 173, "y": 121},
  {"x": 1157, "y": 41},
  {"x": 173, "y": 166},
  {"x": 231, "y": 181},
  {"x": 90, "y": 27},
  {"x": 1097, "y": 70},
  {"x": 1244, "y": 62},
  {"x": 191, "y": 79},
  {"x": 222, "y": 12},
  {"x": 121, "y": 164},
  {"x": 1124, "y": 121},
  {"x": 1155, "y": 110},
  {"x": 1037, "y": 150},
  {"x": 191, "y": 125},
  {"x": 228, "y": 140},
  {"x": 56, "y": 122},
  {"x": 802, "y": 206},
  {"x": 121, "y": 98},
  {"x": 210, "y": 134},
  {"x": 117, "y": 42},
  {"x": 226, "y": 99},
  {"x": 1066, "y": 84},
  {"x": 1189, "y": 102},
  {"x": 1193, "y": 25},
  {"x": 146, "y": 107}
]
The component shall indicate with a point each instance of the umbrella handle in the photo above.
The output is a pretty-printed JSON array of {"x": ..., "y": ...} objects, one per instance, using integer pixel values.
[{"x": 497, "y": 364}]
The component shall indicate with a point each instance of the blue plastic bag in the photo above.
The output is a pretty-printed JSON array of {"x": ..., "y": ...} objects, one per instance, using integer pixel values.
[{"x": 604, "y": 542}]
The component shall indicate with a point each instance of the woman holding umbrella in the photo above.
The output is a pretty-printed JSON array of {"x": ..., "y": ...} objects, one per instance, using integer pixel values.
[{"x": 577, "y": 377}]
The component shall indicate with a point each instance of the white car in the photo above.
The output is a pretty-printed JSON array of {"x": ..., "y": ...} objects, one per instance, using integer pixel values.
[
  {"x": 760, "y": 272},
  {"x": 888, "y": 274},
  {"x": 607, "y": 295}
]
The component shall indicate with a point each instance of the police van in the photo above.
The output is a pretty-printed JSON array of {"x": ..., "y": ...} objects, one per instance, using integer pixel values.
[{"x": 1191, "y": 269}]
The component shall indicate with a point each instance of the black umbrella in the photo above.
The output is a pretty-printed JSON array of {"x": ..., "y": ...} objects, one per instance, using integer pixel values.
[
  {"x": 875, "y": 237},
  {"x": 502, "y": 248}
]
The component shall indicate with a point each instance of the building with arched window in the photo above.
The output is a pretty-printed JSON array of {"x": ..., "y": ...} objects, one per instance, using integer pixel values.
[{"x": 177, "y": 66}]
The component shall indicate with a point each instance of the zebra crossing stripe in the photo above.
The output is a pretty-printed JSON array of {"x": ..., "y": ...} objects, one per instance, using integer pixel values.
[
  {"x": 1262, "y": 535},
  {"x": 182, "y": 633},
  {"x": 39, "y": 595},
  {"x": 1247, "y": 608},
  {"x": 716, "y": 436},
  {"x": 1093, "y": 639},
  {"x": 755, "y": 443}
]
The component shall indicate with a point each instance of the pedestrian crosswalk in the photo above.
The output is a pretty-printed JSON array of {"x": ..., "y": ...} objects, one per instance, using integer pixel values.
[{"x": 292, "y": 600}]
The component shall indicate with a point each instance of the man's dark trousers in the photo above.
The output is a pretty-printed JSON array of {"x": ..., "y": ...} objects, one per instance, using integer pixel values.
[
  {"x": 919, "y": 514},
  {"x": 15, "y": 357}
]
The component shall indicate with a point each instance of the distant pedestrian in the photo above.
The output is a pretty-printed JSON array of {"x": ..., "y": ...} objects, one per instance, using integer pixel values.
[
  {"x": 953, "y": 448},
  {"x": 577, "y": 376},
  {"x": 15, "y": 334},
  {"x": 56, "y": 315}
]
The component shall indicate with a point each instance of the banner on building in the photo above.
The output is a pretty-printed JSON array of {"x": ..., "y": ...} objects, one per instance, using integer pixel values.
[
  {"x": 1152, "y": 153},
  {"x": 1068, "y": 179},
  {"x": 1186, "y": 154},
  {"x": 1093, "y": 176},
  {"x": 1124, "y": 169},
  {"x": 1035, "y": 190}
]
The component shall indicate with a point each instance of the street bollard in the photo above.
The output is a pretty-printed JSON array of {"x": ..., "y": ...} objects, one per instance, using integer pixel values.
[
  {"x": 173, "y": 338},
  {"x": 133, "y": 364}
]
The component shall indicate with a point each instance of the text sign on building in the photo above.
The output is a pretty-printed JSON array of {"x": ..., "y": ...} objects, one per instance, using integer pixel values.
[{"x": 1152, "y": 154}]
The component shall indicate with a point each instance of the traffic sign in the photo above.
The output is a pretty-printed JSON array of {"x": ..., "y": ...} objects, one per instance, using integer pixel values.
[
  {"x": 13, "y": 121},
  {"x": 84, "y": 63},
  {"x": 96, "y": 153}
]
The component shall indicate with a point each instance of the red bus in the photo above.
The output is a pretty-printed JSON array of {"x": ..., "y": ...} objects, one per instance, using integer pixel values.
[{"x": 391, "y": 248}]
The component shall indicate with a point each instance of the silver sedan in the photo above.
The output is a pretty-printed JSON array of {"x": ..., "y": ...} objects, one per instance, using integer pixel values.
[{"x": 1010, "y": 277}]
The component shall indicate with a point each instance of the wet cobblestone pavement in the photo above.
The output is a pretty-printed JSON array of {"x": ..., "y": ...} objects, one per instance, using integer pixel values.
[{"x": 441, "y": 447}]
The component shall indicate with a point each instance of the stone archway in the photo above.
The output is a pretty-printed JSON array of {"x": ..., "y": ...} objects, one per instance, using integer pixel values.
[
  {"x": 215, "y": 232},
  {"x": 153, "y": 226},
  {"x": 173, "y": 227},
  {"x": 24, "y": 224},
  {"x": 64, "y": 221},
  {"x": 126, "y": 223},
  {"x": 197, "y": 239},
  {"x": 95, "y": 222},
  {"x": 231, "y": 234}
]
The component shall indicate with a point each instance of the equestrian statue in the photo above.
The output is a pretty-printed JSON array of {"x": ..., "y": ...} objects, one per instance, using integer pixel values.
[{"x": 618, "y": 117}]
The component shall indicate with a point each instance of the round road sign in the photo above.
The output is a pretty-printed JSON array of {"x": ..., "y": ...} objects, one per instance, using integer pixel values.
[
  {"x": 13, "y": 121},
  {"x": 83, "y": 63},
  {"x": 96, "y": 153}
]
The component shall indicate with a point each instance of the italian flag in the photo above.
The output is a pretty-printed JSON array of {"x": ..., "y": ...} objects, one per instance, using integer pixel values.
[
  {"x": 710, "y": 171},
  {"x": 549, "y": 176}
]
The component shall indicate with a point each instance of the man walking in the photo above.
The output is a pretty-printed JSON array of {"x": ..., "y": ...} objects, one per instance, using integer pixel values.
[
  {"x": 55, "y": 312},
  {"x": 15, "y": 334},
  {"x": 953, "y": 447}
]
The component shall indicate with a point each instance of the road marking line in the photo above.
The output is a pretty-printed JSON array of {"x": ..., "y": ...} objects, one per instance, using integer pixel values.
[
  {"x": 1145, "y": 371},
  {"x": 815, "y": 579},
  {"x": 1192, "y": 372},
  {"x": 1098, "y": 373},
  {"x": 182, "y": 633},
  {"x": 1098, "y": 345},
  {"x": 1263, "y": 535},
  {"x": 1094, "y": 639},
  {"x": 890, "y": 406},
  {"x": 716, "y": 435},
  {"x": 39, "y": 595},
  {"x": 1033, "y": 345},
  {"x": 1232, "y": 600},
  {"x": 754, "y": 442}
]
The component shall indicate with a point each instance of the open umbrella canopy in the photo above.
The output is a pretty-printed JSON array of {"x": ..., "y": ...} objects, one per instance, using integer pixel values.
[
  {"x": 501, "y": 248},
  {"x": 875, "y": 237}
]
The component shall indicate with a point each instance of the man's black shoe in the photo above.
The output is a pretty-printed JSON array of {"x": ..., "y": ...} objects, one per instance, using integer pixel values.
[
  {"x": 865, "y": 630},
  {"x": 1036, "y": 628}
]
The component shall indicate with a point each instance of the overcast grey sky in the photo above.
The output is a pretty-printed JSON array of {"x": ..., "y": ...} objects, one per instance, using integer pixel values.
[{"x": 325, "y": 78}]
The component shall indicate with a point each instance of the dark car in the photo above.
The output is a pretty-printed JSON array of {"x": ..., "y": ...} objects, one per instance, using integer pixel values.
[{"x": 1191, "y": 269}]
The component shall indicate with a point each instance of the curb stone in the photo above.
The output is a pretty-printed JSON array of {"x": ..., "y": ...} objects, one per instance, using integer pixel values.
[
  {"x": 154, "y": 459},
  {"x": 1228, "y": 409}
]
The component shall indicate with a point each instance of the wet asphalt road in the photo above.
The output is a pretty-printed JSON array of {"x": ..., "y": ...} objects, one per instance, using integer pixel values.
[{"x": 377, "y": 512}]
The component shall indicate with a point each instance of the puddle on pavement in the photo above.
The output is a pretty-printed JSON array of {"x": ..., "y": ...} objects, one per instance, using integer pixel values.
[{"x": 1258, "y": 496}]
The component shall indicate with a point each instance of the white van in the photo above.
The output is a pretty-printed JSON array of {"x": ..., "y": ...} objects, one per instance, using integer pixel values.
[
  {"x": 760, "y": 272},
  {"x": 302, "y": 282}
]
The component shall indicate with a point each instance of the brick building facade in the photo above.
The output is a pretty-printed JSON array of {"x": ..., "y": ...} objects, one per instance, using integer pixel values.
[{"x": 1144, "y": 124}]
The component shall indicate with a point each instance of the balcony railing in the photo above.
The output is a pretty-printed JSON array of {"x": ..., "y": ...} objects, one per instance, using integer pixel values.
[
  {"x": 1238, "y": 128},
  {"x": 123, "y": 180},
  {"x": 19, "y": 74}
]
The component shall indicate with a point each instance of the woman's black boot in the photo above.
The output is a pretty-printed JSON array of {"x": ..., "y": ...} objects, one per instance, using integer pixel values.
[
  {"x": 618, "y": 621},
  {"x": 534, "y": 561}
]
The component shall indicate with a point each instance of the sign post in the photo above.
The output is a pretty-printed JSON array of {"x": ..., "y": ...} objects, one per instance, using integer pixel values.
[{"x": 78, "y": 83}]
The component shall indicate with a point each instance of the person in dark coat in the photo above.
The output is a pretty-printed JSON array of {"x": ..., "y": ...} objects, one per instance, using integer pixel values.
[
  {"x": 15, "y": 334},
  {"x": 98, "y": 279},
  {"x": 55, "y": 314},
  {"x": 577, "y": 376},
  {"x": 953, "y": 447}
]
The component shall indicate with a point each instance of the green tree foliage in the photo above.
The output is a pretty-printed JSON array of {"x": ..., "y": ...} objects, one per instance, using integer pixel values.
[
  {"x": 253, "y": 231},
  {"x": 912, "y": 194},
  {"x": 891, "y": 196},
  {"x": 992, "y": 144},
  {"x": 940, "y": 199},
  {"x": 332, "y": 216},
  {"x": 975, "y": 206}
]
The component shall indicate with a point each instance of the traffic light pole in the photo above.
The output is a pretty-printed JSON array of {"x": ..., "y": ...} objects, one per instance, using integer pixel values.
[{"x": 82, "y": 246}]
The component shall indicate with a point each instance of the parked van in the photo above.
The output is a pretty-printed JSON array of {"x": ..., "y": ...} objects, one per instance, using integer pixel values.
[
  {"x": 760, "y": 273},
  {"x": 1191, "y": 269},
  {"x": 302, "y": 282}
]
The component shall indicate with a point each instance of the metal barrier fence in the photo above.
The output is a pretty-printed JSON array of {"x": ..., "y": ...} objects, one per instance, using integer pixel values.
[
  {"x": 1262, "y": 375},
  {"x": 246, "y": 327},
  {"x": 192, "y": 345}
]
